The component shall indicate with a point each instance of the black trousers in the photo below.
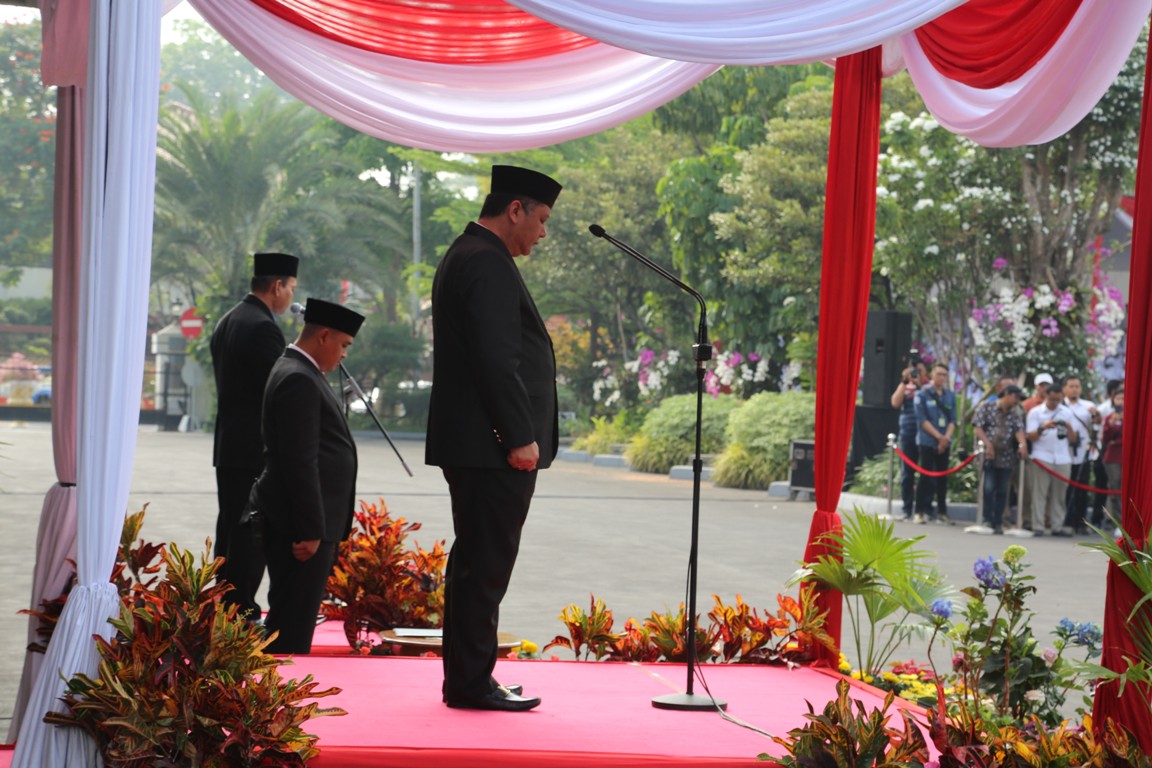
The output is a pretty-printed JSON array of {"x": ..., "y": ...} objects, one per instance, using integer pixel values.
[
  {"x": 295, "y": 590},
  {"x": 932, "y": 487},
  {"x": 489, "y": 507},
  {"x": 244, "y": 555},
  {"x": 1101, "y": 501},
  {"x": 1076, "y": 499}
]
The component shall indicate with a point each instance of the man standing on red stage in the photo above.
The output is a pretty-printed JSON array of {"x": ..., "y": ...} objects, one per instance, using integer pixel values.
[{"x": 492, "y": 422}]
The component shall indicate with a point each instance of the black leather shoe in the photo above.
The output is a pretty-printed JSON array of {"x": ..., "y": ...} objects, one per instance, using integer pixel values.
[{"x": 496, "y": 701}]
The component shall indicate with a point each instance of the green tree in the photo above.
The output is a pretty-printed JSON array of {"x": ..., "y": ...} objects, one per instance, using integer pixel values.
[
  {"x": 734, "y": 106},
  {"x": 201, "y": 61},
  {"x": 959, "y": 223},
  {"x": 27, "y": 154},
  {"x": 618, "y": 304},
  {"x": 771, "y": 238},
  {"x": 267, "y": 176}
]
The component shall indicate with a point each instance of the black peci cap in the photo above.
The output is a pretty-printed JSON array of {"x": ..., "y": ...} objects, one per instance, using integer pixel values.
[
  {"x": 274, "y": 265},
  {"x": 334, "y": 316},
  {"x": 511, "y": 180}
]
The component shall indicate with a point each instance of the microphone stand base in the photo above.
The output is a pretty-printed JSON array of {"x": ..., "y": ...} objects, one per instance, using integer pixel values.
[{"x": 689, "y": 702}]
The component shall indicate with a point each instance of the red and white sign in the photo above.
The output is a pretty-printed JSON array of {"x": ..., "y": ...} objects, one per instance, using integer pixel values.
[{"x": 191, "y": 324}]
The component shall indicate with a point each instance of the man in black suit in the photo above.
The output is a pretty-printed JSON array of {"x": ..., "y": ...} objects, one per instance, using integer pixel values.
[
  {"x": 304, "y": 498},
  {"x": 492, "y": 421},
  {"x": 245, "y": 345}
]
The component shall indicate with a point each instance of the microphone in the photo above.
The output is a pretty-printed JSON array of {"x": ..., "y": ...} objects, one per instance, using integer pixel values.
[
  {"x": 297, "y": 308},
  {"x": 702, "y": 347}
]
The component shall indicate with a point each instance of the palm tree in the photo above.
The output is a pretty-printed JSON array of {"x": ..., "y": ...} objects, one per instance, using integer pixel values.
[{"x": 268, "y": 176}]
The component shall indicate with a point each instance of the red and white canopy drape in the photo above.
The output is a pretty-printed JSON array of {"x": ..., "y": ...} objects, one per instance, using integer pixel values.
[{"x": 487, "y": 76}]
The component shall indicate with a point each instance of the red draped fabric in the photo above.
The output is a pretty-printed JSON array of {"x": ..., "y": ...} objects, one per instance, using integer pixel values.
[
  {"x": 439, "y": 31},
  {"x": 846, "y": 275},
  {"x": 987, "y": 43},
  {"x": 1131, "y": 709}
]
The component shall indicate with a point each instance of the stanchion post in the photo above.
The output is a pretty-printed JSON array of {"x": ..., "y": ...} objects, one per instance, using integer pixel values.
[
  {"x": 891, "y": 469},
  {"x": 1022, "y": 497},
  {"x": 980, "y": 500}
]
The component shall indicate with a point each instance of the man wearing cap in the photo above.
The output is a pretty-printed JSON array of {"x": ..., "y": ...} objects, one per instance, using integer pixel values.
[
  {"x": 998, "y": 424},
  {"x": 1050, "y": 432},
  {"x": 1041, "y": 382},
  {"x": 492, "y": 422},
  {"x": 304, "y": 498},
  {"x": 245, "y": 345}
]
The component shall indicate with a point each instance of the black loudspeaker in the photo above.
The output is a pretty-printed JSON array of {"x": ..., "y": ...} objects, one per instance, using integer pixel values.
[
  {"x": 887, "y": 342},
  {"x": 870, "y": 429}
]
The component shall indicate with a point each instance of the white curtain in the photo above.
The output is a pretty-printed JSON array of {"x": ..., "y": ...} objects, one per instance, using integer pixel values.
[
  {"x": 119, "y": 176},
  {"x": 1052, "y": 97},
  {"x": 445, "y": 107},
  {"x": 740, "y": 31}
]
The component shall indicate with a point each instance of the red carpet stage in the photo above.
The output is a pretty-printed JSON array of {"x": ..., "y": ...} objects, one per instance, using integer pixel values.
[{"x": 594, "y": 714}]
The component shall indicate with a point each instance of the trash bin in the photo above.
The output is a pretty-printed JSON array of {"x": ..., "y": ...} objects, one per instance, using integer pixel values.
[{"x": 802, "y": 467}]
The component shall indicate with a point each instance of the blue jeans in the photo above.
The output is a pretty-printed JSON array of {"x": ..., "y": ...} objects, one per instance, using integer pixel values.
[{"x": 997, "y": 481}]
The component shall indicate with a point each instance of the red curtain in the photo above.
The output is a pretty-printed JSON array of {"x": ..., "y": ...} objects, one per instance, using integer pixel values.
[
  {"x": 987, "y": 43},
  {"x": 1131, "y": 709},
  {"x": 846, "y": 276},
  {"x": 439, "y": 31}
]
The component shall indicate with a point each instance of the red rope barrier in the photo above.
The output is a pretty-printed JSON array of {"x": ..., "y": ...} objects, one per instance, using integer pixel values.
[
  {"x": 929, "y": 472},
  {"x": 1072, "y": 482}
]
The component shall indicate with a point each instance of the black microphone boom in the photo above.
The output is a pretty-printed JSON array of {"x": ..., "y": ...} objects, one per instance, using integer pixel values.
[
  {"x": 703, "y": 352},
  {"x": 371, "y": 412},
  {"x": 702, "y": 346}
]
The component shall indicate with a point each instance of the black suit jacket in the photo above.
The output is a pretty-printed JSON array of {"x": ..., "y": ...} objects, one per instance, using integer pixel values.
[
  {"x": 494, "y": 370},
  {"x": 308, "y": 487},
  {"x": 245, "y": 345}
]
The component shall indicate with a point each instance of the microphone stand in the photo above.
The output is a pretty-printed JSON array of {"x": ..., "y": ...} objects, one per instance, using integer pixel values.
[
  {"x": 371, "y": 412},
  {"x": 702, "y": 353}
]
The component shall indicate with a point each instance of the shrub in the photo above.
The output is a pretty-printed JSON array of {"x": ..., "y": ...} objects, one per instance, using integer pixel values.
[
  {"x": 759, "y": 436},
  {"x": 735, "y": 634},
  {"x": 871, "y": 478},
  {"x": 185, "y": 681},
  {"x": 607, "y": 432},
  {"x": 378, "y": 584},
  {"x": 668, "y": 436}
]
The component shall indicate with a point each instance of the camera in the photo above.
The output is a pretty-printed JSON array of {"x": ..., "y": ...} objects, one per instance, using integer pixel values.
[
  {"x": 1061, "y": 430},
  {"x": 914, "y": 358}
]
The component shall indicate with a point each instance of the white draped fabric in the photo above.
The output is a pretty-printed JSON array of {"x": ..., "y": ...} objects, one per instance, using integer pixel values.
[
  {"x": 444, "y": 107},
  {"x": 1052, "y": 97},
  {"x": 740, "y": 31},
  {"x": 119, "y": 176}
]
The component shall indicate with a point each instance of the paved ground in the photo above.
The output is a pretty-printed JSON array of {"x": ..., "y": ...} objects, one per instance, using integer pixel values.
[{"x": 618, "y": 534}]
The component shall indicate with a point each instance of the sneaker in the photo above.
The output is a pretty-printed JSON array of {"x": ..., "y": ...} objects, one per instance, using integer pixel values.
[
  {"x": 943, "y": 519},
  {"x": 1065, "y": 531},
  {"x": 998, "y": 531},
  {"x": 918, "y": 519}
]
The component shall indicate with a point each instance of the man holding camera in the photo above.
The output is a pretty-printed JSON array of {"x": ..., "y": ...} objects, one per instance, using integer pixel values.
[
  {"x": 1086, "y": 422},
  {"x": 904, "y": 399},
  {"x": 1052, "y": 437}
]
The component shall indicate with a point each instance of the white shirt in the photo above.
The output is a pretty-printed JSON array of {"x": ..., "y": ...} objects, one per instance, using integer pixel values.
[
  {"x": 307, "y": 356},
  {"x": 1082, "y": 422},
  {"x": 1048, "y": 448}
]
